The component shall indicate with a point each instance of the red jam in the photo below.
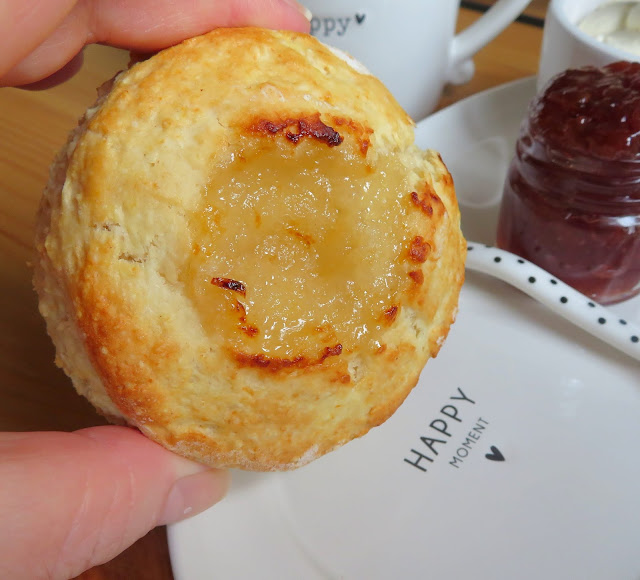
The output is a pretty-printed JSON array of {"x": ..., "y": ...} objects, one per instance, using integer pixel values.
[{"x": 571, "y": 200}]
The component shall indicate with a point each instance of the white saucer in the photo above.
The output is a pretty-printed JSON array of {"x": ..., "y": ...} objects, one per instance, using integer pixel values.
[{"x": 523, "y": 435}]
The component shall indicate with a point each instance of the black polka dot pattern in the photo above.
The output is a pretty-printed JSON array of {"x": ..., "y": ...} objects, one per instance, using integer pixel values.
[{"x": 554, "y": 293}]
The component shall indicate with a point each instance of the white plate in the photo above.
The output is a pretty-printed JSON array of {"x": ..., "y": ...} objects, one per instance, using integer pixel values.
[{"x": 559, "y": 407}]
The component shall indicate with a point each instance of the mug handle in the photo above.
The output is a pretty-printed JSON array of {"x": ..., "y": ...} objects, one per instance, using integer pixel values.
[{"x": 473, "y": 38}]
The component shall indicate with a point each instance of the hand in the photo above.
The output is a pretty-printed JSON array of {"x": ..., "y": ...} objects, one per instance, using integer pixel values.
[
  {"x": 42, "y": 40},
  {"x": 70, "y": 501}
]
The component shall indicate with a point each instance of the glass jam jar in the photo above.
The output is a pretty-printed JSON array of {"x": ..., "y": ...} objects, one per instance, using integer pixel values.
[{"x": 571, "y": 201}]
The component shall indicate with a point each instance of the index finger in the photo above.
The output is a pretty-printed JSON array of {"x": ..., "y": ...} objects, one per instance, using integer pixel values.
[{"x": 39, "y": 37}]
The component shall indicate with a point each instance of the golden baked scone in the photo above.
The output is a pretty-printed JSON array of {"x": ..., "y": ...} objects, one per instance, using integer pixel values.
[{"x": 242, "y": 252}]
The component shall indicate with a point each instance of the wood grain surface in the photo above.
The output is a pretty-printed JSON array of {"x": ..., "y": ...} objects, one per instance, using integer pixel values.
[{"x": 34, "y": 394}]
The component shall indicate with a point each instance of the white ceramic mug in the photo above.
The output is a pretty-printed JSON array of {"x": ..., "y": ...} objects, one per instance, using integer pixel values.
[
  {"x": 565, "y": 46},
  {"x": 410, "y": 45}
]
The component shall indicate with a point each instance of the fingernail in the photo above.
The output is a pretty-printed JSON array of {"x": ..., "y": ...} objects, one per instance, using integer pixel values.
[
  {"x": 194, "y": 493},
  {"x": 300, "y": 8}
]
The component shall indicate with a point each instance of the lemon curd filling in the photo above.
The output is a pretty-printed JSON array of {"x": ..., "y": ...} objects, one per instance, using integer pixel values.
[{"x": 299, "y": 250}]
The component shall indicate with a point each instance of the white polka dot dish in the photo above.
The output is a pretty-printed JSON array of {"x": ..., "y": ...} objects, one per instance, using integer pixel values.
[{"x": 558, "y": 296}]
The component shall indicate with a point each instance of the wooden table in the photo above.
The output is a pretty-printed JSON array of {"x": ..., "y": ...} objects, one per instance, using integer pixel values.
[{"x": 34, "y": 394}]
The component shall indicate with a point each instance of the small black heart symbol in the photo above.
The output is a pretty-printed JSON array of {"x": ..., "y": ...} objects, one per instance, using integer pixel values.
[
  {"x": 360, "y": 18},
  {"x": 495, "y": 454}
]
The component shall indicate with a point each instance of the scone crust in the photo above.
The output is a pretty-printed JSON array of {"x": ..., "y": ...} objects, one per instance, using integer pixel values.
[{"x": 112, "y": 234}]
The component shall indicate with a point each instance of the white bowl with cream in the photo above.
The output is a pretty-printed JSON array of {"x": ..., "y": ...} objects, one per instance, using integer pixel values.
[{"x": 588, "y": 32}]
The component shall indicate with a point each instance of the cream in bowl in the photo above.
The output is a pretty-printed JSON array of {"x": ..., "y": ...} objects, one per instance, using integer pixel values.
[
  {"x": 588, "y": 32},
  {"x": 616, "y": 24}
]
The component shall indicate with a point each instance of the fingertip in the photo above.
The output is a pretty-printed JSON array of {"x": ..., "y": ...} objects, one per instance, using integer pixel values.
[
  {"x": 192, "y": 487},
  {"x": 194, "y": 494},
  {"x": 300, "y": 8},
  {"x": 60, "y": 76}
]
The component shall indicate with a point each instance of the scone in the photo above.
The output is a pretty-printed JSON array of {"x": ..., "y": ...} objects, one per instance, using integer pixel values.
[{"x": 242, "y": 252}]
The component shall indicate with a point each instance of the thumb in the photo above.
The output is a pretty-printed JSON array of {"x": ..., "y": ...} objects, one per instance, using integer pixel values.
[{"x": 69, "y": 501}]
